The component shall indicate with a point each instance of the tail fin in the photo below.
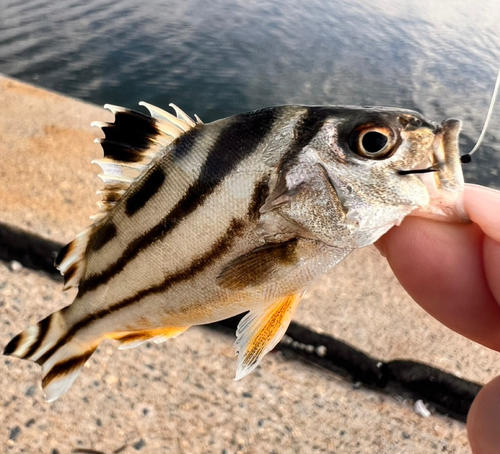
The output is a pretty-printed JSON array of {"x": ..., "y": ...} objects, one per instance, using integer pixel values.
[{"x": 60, "y": 366}]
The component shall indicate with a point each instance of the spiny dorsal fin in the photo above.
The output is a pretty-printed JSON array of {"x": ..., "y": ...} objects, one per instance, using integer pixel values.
[{"x": 130, "y": 144}]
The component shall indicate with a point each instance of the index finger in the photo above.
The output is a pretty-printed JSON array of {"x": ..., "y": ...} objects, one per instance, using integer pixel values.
[{"x": 453, "y": 270}]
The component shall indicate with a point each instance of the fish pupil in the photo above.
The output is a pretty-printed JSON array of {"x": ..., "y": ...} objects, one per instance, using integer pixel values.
[{"x": 374, "y": 141}]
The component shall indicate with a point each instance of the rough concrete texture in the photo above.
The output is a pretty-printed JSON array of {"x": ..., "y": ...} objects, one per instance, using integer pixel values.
[{"x": 179, "y": 397}]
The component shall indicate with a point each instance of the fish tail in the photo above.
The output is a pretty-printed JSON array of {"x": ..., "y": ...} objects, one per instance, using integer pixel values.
[{"x": 60, "y": 365}]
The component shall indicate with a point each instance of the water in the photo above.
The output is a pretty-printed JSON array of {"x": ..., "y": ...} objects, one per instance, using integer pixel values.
[{"x": 217, "y": 58}]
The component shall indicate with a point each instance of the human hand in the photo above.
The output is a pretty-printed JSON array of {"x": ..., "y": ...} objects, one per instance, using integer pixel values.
[{"x": 453, "y": 272}]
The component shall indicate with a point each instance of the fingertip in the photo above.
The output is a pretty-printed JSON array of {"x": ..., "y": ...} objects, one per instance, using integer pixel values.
[
  {"x": 483, "y": 207},
  {"x": 483, "y": 420}
]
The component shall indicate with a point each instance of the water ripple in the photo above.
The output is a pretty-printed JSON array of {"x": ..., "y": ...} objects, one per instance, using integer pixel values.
[{"x": 217, "y": 58}]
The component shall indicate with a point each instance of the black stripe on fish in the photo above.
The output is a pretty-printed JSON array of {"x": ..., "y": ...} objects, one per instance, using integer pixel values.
[
  {"x": 43, "y": 327},
  {"x": 148, "y": 187},
  {"x": 65, "y": 367},
  {"x": 11, "y": 347},
  {"x": 306, "y": 129},
  {"x": 221, "y": 246},
  {"x": 102, "y": 236},
  {"x": 184, "y": 144},
  {"x": 70, "y": 272},
  {"x": 235, "y": 142},
  {"x": 259, "y": 196},
  {"x": 62, "y": 254}
]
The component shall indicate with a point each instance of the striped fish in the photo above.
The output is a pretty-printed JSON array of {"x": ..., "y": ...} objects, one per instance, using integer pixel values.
[{"x": 200, "y": 222}]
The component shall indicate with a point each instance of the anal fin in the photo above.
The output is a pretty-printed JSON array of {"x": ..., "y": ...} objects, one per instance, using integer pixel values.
[
  {"x": 260, "y": 331},
  {"x": 132, "y": 339}
]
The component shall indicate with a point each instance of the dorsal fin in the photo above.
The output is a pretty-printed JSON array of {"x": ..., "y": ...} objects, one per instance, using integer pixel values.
[{"x": 130, "y": 144}]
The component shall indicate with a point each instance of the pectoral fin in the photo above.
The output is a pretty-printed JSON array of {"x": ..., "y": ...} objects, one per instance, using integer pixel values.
[
  {"x": 258, "y": 266},
  {"x": 259, "y": 332}
]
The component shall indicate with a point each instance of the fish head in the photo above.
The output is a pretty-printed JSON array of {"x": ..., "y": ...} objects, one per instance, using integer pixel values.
[
  {"x": 384, "y": 164},
  {"x": 390, "y": 163}
]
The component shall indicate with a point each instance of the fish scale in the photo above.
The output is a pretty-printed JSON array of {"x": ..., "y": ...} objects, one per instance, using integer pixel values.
[{"x": 200, "y": 222}]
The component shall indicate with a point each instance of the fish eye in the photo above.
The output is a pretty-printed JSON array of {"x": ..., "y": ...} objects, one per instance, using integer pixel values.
[{"x": 372, "y": 142}]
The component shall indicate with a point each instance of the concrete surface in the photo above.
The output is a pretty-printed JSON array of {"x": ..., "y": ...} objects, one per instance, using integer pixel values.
[{"x": 179, "y": 397}]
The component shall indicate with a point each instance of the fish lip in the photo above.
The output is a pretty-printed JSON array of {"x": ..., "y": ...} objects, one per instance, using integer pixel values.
[
  {"x": 444, "y": 180},
  {"x": 445, "y": 145},
  {"x": 444, "y": 149},
  {"x": 445, "y": 156}
]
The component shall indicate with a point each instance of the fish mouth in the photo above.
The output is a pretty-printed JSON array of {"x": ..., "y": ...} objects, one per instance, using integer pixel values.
[{"x": 442, "y": 176}]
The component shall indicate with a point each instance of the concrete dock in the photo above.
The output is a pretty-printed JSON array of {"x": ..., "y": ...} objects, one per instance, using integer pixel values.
[{"x": 179, "y": 396}]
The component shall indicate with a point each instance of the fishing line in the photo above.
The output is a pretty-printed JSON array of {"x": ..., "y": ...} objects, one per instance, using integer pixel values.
[
  {"x": 467, "y": 157},
  {"x": 408, "y": 172}
]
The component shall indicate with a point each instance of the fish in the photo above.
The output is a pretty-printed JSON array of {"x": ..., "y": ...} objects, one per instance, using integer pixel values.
[{"x": 201, "y": 222}]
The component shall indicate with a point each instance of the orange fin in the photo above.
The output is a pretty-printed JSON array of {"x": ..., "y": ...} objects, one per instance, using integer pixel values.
[
  {"x": 132, "y": 339},
  {"x": 258, "y": 266},
  {"x": 259, "y": 332}
]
